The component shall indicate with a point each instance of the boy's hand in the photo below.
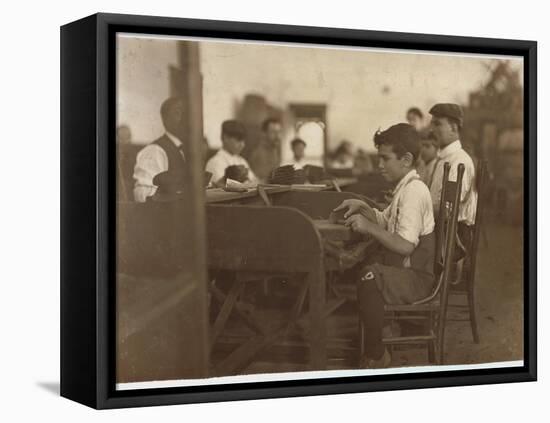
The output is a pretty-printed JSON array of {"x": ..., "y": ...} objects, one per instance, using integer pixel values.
[
  {"x": 360, "y": 224},
  {"x": 368, "y": 212},
  {"x": 353, "y": 206}
]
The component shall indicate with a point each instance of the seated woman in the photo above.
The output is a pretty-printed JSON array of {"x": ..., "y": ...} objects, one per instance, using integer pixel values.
[{"x": 403, "y": 271}]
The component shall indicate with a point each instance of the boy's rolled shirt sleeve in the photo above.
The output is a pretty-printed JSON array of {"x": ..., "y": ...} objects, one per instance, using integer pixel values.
[
  {"x": 382, "y": 217},
  {"x": 150, "y": 161}
]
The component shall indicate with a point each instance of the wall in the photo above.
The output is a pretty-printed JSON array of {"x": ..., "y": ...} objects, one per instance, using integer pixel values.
[
  {"x": 143, "y": 83},
  {"x": 364, "y": 90}
]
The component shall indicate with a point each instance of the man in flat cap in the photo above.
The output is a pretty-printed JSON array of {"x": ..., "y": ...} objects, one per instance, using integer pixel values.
[
  {"x": 164, "y": 154},
  {"x": 446, "y": 124},
  {"x": 228, "y": 162}
]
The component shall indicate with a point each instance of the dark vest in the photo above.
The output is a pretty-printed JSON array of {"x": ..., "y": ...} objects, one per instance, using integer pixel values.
[
  {"x": 172, "y": 182},
  {"x": 422, "y": 258},
  {"x": 176, "y": 162}
]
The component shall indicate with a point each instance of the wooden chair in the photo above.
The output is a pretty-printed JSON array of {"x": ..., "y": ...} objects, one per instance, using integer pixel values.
[
  {"x": 432, "y": 309},
  {"x": 466, "y": 287}
]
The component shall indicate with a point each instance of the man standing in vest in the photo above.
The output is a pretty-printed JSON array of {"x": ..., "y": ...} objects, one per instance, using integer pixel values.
[
  {"x": 446, "y": 125},
  {"x": 162, "y": 155}
]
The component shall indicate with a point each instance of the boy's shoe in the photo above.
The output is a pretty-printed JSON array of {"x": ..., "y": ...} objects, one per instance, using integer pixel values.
[{"x": 381, "y": 363}]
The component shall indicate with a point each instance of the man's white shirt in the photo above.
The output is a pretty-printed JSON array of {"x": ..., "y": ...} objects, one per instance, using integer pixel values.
[
  {"x": 454, "y": 154},
  {"x": 150, "y": 161}
]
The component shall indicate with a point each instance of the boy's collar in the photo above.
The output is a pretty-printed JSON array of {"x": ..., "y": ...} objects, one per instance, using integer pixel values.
[
  {"x": 228, "y": 153},
  {"x": 412, "y": 174}
]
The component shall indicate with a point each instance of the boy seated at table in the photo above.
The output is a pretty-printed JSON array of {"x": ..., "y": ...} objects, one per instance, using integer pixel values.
[
  {"x": 228, "y": 162},
  {"x": 403, "y": 270}
]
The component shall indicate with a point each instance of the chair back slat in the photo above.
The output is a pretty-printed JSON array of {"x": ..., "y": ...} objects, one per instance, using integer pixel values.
[
  {"x": 440, "y": 234},
  {"x": 449, "y": 208},
  {"x": 446, "y": 238},
  {"x": 450, "y": 195},
  {"x": 481, "y": 183}
]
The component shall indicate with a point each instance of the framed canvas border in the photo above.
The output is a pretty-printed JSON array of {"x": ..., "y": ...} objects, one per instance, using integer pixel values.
[{"x": 88, "y": 101}]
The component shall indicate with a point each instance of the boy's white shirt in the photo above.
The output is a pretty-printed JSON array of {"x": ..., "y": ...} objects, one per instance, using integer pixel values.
[
  {"x": 222, "y": 160},
  {"x": 410, "y": 214}
]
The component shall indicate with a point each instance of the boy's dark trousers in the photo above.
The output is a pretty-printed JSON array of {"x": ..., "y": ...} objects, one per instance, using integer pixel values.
[{"x": 387, "y": 281}]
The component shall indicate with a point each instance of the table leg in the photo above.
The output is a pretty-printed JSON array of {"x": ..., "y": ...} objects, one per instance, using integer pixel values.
[{"x": 316, "y": 282}]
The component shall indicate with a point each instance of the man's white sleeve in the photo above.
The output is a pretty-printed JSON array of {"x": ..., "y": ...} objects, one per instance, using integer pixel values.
[{"x": 150, "y": 161}]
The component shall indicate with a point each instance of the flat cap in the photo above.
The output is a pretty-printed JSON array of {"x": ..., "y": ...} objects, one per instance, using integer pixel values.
[
  {"x": 448, "y": 110},
  {"x": 234, "y": 128}
]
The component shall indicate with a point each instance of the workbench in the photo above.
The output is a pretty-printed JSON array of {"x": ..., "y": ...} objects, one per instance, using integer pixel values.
[{"x": 286, "y": 239}]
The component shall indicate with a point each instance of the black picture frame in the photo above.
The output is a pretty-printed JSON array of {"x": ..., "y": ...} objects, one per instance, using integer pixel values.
[{"x": 87, "y": 235}]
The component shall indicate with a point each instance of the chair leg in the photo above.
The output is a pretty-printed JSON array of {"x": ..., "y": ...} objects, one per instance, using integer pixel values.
[
  {"x": 432, "y": 352},
  {"x": 472, "y": 312},
  {"x": 432, "y": 344},
  {"x": 361, "y": 342},
  {"x": 440, "y": 341}
]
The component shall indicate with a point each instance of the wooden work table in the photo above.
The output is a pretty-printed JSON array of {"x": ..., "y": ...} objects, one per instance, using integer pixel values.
[
  {"x": 251, "y": 196},
  {"x": 218, "y": 195},
  {"x": 256, "y": 241}
]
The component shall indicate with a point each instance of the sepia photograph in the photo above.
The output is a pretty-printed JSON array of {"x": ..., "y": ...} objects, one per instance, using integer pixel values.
[
  {"x": 241, "y": 211},
  {"x": 295, "y": 211}
]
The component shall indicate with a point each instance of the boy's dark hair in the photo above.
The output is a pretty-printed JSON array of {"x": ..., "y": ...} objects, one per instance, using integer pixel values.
[
  {"x": 403, "y": 138},
  {"x": 234, "y": 128},
  {"x": 297, "y": 141},
  {"x": 342, "y": 149},
  {"x": 269, "y": 121},
  {"x": 415, "y": 111}
]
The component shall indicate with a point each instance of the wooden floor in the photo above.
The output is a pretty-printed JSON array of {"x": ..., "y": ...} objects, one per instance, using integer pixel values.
[
  {"x": 291, "y": 352},
  {"x": 500, "y": 311}
]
